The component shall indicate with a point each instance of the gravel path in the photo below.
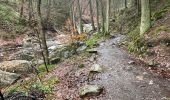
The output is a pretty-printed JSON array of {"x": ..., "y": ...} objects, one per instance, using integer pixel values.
[
  {"x": 124, "y": 81},
  {"x": 121, "y": 80}
]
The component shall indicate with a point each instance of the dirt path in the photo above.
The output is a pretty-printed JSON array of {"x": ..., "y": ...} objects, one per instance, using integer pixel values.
[{"x": 121, "y": 80}]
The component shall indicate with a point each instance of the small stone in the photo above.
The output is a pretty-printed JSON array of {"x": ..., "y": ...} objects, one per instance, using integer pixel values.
[
  {"x": 145, "y": 73},
  {"x": 151, "y": 63},
  {"x": 92, "y": 50},
  {"x": 80, "y": 49},
  {"x": 93, "y": 58},
  {"x": 66, "y": 54},
  {"x": 131, "y": 62},
  {"x": 150, "y": 82},
  {"x": 139, "y": 78},
  {"x": 90, "y": 90},
  {"x": 96, "y": 68}
]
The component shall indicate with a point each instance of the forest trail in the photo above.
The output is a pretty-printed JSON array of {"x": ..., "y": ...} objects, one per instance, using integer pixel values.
[
  {"x": 120, "y": 79},
  {"x": 123, "y": 81}
]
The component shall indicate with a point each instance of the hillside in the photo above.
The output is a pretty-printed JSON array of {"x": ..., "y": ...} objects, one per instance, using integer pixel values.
[{"x": 84, "y": 49}]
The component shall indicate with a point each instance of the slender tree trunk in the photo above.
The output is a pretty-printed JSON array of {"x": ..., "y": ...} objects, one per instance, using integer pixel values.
[
  {"x": 125, "y": 3},
  {"x": 97, "y": 15},
  {"x": 72, "y": 15},
  {"x": 80, "y": 16},
  {"x": 145, "y": 17},
  {"x": 42, "y": 35},
  {"x": 22, "y": 9},
  {"x": 71, "y": 11},
  {"x": 131, "y": 3},
  {"x": 91, "y": 14},
  {"x": 74, "y": 21},
  {"x": 107, "y": 16},
  {"x": 30, "y": 7},
  {"x": 103, "y": 17},
  {"x": 138, "y": 7},
  {"x": 49, "y": 10},
  {"x": 39, "y": 8}
]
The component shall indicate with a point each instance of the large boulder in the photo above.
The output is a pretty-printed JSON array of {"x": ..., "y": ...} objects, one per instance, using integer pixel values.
[
  {"x": 16, "y": 66},
  {"x": 63, "y": 52},
  {"x": 24, "y": 54},
  {"x": 7, "y": 78}
]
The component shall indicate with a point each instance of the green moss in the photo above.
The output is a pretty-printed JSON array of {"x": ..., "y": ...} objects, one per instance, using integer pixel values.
[
  {"x": 42, "y": 68},
  {"x": 12, "y": 89},
  {"x": 92, "y": 41},
  {"x": 51, "y": 81},
  {"x": 47, "y": 85}
]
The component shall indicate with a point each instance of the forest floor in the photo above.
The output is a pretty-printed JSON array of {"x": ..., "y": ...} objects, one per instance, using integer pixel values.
[{"x": 121, "y": 78}]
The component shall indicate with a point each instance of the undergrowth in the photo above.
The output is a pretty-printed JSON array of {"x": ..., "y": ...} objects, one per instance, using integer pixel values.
[
  {"x": 135, "y": 42},
  {"x": 45, "y": 86},
  {"x": 159, "y": 29},
  {"x": 159, "y": 14},
  {"x": 93, "y": 40},
  {"x": 10, "y": 21}
]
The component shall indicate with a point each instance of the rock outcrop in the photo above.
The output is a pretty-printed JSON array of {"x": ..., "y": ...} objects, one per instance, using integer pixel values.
[{"x": 16, "y": 66}]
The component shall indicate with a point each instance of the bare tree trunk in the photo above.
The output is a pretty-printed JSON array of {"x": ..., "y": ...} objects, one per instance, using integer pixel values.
[
  {"x": 49, "y": 10},
  {"x": 30, "y": 7},
  {"x": 72, "y": 16},
  {"x": 91, "y": 14},
  {"x": 103, "y": 17},
  {"x": 125, "y": 3},
  {"x": 74, "y": 21},
  {"x": 22, "y": 9},
  {"x": 97, "y": 15},
  {"x": 80, "y": 17},
  {"x": 131, "y": 3},
  {"x": 42, "y": 35},
  {"x": 138, "y": 6},
  {"x": 107, "y": 16},
  {"x": 145, "y": 17}
]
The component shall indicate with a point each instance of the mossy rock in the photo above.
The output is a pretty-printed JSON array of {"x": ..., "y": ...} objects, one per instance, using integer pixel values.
[{"x": 90, "y": 90}]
